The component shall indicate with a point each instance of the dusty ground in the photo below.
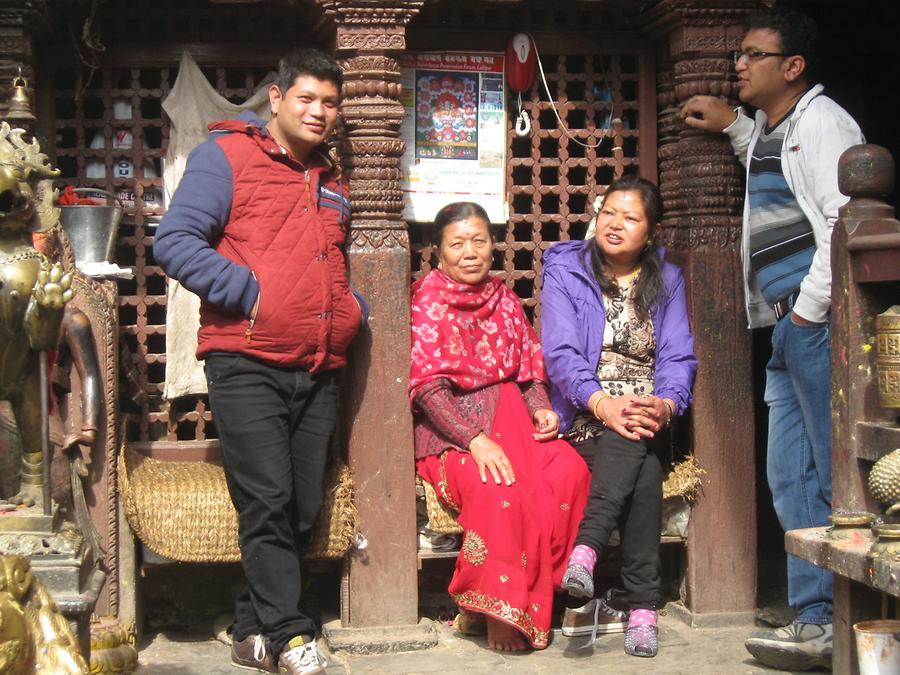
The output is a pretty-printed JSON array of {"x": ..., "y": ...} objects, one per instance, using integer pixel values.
[
  {"x": 682, "y": 650},
  {"x": 179, "y": 633}
]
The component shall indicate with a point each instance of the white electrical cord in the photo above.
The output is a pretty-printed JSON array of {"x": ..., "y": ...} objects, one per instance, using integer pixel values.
[{"x": 562, "y": 126}]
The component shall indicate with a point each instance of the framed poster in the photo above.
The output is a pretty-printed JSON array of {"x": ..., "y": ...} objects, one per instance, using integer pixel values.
[{"x": 455, "y": 133}]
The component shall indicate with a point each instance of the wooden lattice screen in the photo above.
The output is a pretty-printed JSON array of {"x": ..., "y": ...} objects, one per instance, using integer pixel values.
[
  {"x": 130, "y": 100},
  {"x": 551, "y": 180}
]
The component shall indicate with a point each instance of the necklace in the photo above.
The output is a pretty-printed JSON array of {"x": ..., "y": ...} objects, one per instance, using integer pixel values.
[{"x": 627, "y": 280}]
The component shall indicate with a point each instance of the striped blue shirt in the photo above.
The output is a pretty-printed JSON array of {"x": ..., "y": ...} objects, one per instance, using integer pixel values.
[{"x": 781, "y": 239}]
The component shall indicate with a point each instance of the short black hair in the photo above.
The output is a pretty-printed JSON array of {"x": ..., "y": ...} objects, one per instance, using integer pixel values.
[
  {"x": 455, "y": 212},
  {"x": 799, "y": 33},
  {"x": 308, "y": 61}
]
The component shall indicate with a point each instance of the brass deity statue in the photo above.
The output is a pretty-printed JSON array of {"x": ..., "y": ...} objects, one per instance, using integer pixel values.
[
  {"x": 33, "y": 293},
  {"x": 34, "y": 635}
]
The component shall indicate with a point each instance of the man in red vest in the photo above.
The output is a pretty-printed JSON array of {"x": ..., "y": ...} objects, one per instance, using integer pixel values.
[{"x": 257, "y": 228}]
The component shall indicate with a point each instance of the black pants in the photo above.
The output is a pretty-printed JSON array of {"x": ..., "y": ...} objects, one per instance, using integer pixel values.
[
  {"x": 275, "y": 425},
  {"x": 626, "y": 492}
]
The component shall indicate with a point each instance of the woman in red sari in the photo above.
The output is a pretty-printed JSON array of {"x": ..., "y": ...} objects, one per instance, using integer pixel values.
[{"x": 486, "y": 437}]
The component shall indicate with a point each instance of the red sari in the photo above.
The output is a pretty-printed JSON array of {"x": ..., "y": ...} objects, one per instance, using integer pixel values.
[{"x": 517, "y": 538}]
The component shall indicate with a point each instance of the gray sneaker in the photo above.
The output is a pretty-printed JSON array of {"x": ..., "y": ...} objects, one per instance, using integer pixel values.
[
  {"x": 252, "y": 653},
  {"x": 603, "y": 612},
  {"x": 798, "y": 646}
]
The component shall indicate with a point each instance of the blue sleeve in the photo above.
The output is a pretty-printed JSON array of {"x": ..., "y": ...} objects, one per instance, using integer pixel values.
[
  {"x": 675, "y": 360},
  {"x": 562, "y": 341},
  {"x": 193, "y": 222},
  {"x": 363, "y": 306}
]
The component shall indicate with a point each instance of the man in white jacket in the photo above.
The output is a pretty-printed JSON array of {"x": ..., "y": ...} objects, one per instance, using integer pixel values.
[{"x": 791, "y": 152}]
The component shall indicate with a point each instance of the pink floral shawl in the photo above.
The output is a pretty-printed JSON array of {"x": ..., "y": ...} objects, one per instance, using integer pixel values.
[{"x": 472, "y": 335}]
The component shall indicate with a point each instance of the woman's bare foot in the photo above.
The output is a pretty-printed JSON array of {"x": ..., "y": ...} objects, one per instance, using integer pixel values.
[{"x": 504, "y": 638}]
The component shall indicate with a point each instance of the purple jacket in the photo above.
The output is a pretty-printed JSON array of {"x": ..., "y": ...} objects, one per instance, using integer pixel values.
[{"x": 572, "y": 322}]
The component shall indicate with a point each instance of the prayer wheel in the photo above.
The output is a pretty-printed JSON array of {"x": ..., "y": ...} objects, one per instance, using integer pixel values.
[{"x": 887, "y": 361}]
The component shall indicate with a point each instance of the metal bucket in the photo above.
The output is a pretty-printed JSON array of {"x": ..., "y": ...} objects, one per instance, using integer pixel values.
[
  {"x": 878, "y": 646},
  {"x": 92, "y": 229}
]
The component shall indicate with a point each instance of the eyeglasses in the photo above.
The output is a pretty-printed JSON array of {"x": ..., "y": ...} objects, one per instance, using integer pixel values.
[{"x": 751, "y": 55}]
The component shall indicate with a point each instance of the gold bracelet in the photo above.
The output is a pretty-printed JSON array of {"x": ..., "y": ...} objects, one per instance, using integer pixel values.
[{"x": 603, "y": 395}]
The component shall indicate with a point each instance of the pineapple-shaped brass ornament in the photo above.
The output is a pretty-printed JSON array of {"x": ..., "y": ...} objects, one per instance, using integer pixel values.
[{"x": 884, "y": 480}]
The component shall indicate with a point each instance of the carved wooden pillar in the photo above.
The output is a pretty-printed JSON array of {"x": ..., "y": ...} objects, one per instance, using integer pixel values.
[
  {"x": 702, "y": 188},
  {"x": 383, "y": 584}
]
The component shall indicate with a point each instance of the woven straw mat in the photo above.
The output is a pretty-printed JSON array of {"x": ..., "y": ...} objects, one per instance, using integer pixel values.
[
  {"x": 181, "y": 510},
  {"x": 441, "y": 519}
]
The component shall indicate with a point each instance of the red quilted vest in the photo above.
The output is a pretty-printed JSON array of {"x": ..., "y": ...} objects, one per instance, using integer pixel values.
[{"x": 288, "y": 225}]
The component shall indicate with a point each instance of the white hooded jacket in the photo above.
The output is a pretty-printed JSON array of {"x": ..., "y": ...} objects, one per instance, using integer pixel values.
[{"x": 818, "y": 132}]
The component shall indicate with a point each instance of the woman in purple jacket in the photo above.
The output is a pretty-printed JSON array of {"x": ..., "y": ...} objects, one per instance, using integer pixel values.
[{"x": 620, "y": 358}]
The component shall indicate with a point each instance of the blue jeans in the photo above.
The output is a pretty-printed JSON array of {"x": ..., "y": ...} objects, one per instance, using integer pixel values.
[{"x": 798, "y": 392}]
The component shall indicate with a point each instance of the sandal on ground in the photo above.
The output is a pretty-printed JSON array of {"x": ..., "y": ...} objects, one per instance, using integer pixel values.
[{"x": 470, "y": 623}]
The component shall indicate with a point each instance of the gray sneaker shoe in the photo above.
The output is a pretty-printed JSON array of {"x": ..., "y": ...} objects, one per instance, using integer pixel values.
[
  {"x": 602, "y": 612},
  {"x": 300, "y": 656},
  {"x": 578, "y": 581},
  {"x": 252, "y": 653},
  {"x": 798, "y": 646}
]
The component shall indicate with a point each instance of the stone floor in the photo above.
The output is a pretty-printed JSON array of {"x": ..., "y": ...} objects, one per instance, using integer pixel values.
[
  {"x": 707, "y": 651},
  {"x": 184, "y": 606}
]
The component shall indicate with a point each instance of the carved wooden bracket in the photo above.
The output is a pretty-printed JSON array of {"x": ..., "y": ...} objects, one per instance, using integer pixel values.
[{"x": 24, "y": 14}]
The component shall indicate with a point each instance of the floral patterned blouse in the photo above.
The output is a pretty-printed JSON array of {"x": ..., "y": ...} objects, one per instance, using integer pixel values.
[{"x": 626, "y": 359}]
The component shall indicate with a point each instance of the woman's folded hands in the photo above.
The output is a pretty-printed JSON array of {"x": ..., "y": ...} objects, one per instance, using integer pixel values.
[{"x": 634, "y": 417}]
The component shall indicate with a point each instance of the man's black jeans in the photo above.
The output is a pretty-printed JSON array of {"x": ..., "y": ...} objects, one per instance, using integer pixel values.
[
  {"x": 626, "y": 491},
  {"x": 275, "y": 425}
]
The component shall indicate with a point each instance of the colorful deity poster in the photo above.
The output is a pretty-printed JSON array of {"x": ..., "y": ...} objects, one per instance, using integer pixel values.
[
  {"x": 446, "y": 115},
  {"x": 455, "y": 133}
]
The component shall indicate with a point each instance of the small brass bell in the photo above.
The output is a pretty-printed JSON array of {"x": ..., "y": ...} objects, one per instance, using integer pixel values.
[{"x": 19, "y": 109}]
